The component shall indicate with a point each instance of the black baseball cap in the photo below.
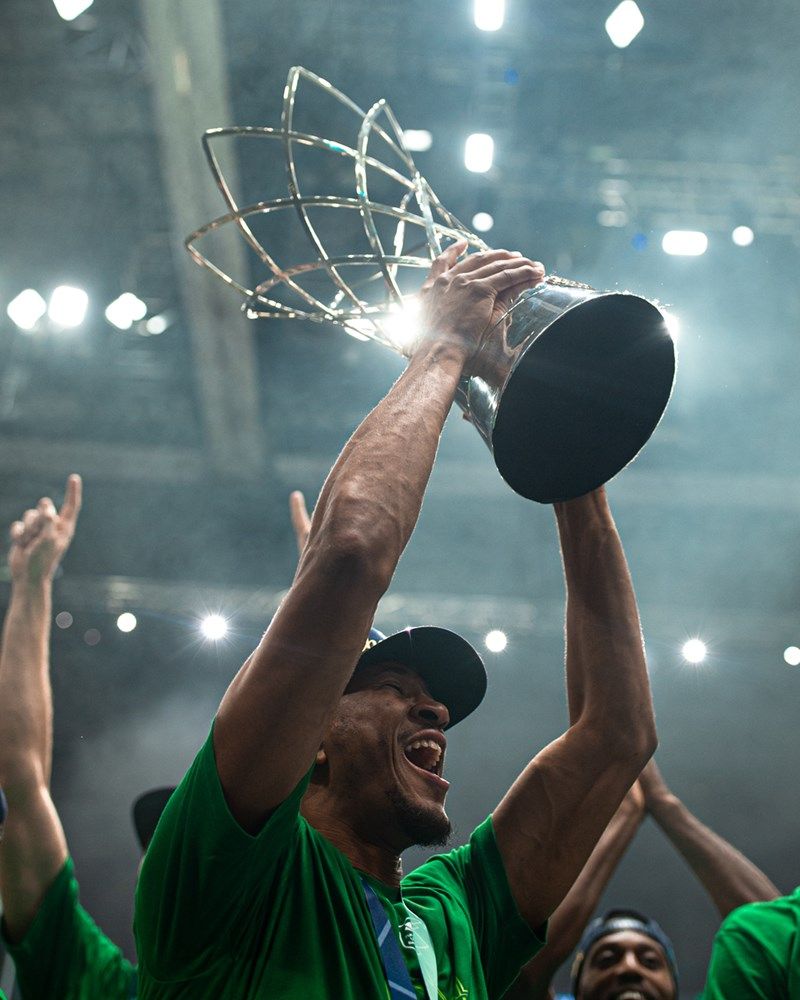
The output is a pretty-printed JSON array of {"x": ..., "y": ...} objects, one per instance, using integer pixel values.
[
  {"x": 451, "y": 668},
  {"x": 147, "y": 809}
]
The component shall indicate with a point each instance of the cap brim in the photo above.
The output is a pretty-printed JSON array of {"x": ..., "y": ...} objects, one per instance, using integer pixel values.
[
  {"x": 147, "y": 810},
  {"x": 451, "y": 668}
]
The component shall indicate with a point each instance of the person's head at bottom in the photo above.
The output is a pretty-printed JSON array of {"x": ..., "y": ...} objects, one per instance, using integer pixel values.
[
  {"x": 624, "y": 956},
  {"x": 379, "y": 771}
]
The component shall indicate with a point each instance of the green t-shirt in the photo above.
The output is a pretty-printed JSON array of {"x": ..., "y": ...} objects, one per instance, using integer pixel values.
[
  {"x": 64, "y": 953},
  {"x": 756, "y": 953},
  {"x": 282, "y": 915}
]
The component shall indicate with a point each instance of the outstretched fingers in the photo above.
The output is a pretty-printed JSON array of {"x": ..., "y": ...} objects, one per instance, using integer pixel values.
[
  {"x": 447, "y": 259},
  {"x": 475, "y": 262},
  {"x": 73, "y": 497},
  {"x": 503, "y": 272}
]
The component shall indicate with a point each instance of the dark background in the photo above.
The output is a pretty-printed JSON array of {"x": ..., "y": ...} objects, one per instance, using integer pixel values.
[{"x": 189, "y": 441}]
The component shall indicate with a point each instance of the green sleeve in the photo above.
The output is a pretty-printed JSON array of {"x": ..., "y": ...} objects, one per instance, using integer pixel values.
[
  {"x": 204, "y": 878},
  {"x": 505, "y": 941},
  {"x": 64, "y": 953},
  {"x": 746, "y": 960}
]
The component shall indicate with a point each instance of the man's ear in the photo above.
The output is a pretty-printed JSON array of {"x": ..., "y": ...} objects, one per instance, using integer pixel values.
[{"x": 319, "y": 776}]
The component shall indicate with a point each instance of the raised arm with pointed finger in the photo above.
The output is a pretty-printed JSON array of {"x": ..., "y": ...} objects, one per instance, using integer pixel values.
[
  {"x": 34, "y": 848},
  {"x": 569, "y": 920},
  {"x": 554, "y": 814},
  {"x": 272, "y": 719},
  {"x": 729, "y": 878}
]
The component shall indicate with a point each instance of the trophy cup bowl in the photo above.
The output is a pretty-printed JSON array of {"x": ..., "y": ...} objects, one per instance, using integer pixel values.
[
  {"x": 568, "y": 387},
  {"x": 565, "y": 390}
]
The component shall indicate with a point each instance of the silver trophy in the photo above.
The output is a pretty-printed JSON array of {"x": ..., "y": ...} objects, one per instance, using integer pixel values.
[{"x": 567, "y": 387}]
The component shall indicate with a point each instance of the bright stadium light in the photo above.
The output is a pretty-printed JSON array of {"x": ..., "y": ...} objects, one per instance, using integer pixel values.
[
  {"x": 613, "y": 218},
  {"x": 70, "y": 9},
  {"x": 496, "y": 641},
  {"x": 479, "y": 152},
  {"x": 694, "y": 651},
  {"x": 482, "y": 222},
  {"x": 26, "y": 309},
  {"x": 159, "y": 323},
  {"x": 684, "y": 243},
  {"x": 792, "y": 656},
  {"x": 624, "y": 24},
  {"x": 68, "y": 306},
  {"x": 743, "y": 236},
  {"x": 214, "y": 627},
  {"x": 125, "y": 310},
  {"x": 417, "y": 140},
  {"x": 126, "y": 622},
  {"x": 489, "y": 15}
]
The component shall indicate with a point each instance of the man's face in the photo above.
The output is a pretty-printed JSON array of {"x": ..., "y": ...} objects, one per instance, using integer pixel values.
[
  {"x": 626, "y": 966},
  {"x": 385, "y": 753}
]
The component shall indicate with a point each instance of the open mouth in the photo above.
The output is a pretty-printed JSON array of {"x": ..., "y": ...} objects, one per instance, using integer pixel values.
[
  {"x": 631, "y": 994},
  {"x": 426, "y": 754}
]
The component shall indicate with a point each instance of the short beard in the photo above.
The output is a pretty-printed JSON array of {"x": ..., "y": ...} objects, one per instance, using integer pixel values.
[{"x": 423, "y": 827}]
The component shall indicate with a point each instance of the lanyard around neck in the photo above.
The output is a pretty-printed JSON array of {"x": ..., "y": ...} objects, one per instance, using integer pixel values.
[{"x": 398, "y": 978}]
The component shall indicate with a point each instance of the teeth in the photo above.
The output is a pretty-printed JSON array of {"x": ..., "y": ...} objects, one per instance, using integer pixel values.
[{"x": 418, "y": 744}]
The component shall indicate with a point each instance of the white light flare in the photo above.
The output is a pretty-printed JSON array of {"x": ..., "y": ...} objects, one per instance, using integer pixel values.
[
  {"x": 214, "y": 627},
  {"x": 125, "y": 310},
  {"x": 495, "y": 641},
  {"x": 127, "y": 622},
  {"x": 489, "y": 15},
  {"x": 791, "y": 655},
  {"x": 624, "y": 24},
  {"x": 482, "y": 222},
  {"x": 68, "y": 10},
  {"x": 673, "y": 324},
  {"x": 684, "y": 243},
  {"x": 479, "y": 153},
  {"x": 26, "y": 309},
  {"x": 68, "y": 306},
  {"x": 417, "y": 140},
  {"x": 694, "y": 651},
  {"x": 743, "y": 236},
  {"x": 402, "y": 325}
]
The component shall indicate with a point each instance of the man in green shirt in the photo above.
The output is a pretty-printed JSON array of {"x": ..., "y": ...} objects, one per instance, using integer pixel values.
[
  {"x": 58, "y": 950},
  {"x": 631, "y": 957},
  {"x": 275, "y": 870},
  {"x": 756, "y": 953}
]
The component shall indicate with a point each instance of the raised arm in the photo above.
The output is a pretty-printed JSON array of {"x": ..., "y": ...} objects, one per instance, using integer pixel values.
[
  {"x": 570, "y": 918},
  {"x": 728, "y": 877},
  {"x": 555, "y": 812},
  {"x": 34, "y": 848},
  {"x": 275, "y": 713}
]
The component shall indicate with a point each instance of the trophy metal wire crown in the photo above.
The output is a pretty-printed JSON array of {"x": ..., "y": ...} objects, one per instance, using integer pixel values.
[
  {"x": 565, "y": 390},
  {"x": 351, "y": 305}
]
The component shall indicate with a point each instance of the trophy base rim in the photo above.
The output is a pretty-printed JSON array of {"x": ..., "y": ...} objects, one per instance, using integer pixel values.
[{"x": 584, "y": 398}]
